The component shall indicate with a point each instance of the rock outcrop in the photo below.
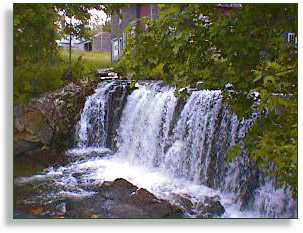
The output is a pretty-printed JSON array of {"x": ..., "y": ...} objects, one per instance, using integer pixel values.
[
  {"x": 122, "y": 199},
  {"x": 50, "y": 119},
  {"x": 183, "y": 201},
  {"x": 211, "y": 207},
  {"x": 116, "y": 102}
]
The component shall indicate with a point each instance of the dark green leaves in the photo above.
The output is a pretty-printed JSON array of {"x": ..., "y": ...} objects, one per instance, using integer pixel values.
[
  {"x": 247, "y": 49},
  {"x": 233, "y": 152}
]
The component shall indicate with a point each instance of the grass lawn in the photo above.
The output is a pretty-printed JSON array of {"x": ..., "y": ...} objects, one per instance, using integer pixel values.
[{"x": 92, "y": 60}]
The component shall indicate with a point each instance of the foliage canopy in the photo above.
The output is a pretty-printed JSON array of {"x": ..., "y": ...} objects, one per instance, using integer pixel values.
[
  {"x": 38, "y": 64},
  {"x": 247, "y": 48}
]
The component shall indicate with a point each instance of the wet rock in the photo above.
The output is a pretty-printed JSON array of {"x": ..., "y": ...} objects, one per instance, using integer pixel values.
[
  {"x": 182, "y": 92},
  {"x": 199, "y": 85},
  {"x": 183, "y": 201},
  {"x": 119, "y": 189},
  {"x": 122, "y": 199},
  {"x": 19, "y": 214},
  {"x": 142, "y": 197},
  {"x": 49, "y": 120},
  {"x": 211, "y": 207},
  {"x": 61, "y": 209},
  {"x": 122, "y": 183},
  {"x": 80, "y": 209},
  {"x": 117, "y": 99},
  {"x": 176, "y": 115},
  {"x": 37, "y": 210},
  {"x": 244, "y": 199},
  {"x": 77, "y": 174},
  {"x": 34, "y": 161},
  {"x": 248, "y": 187}
]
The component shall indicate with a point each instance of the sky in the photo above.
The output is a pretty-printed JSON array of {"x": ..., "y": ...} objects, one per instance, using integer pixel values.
[{"x": 98, "y": 17}]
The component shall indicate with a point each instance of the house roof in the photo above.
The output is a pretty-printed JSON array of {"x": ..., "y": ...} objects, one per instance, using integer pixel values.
[
  {"x": 66, "y": 41},
  {"x": 83, "y": 41},
  {"x": 102, "y": 33}
]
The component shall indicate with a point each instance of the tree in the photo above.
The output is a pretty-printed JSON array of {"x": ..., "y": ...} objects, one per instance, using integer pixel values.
[
  {"x": 105, "y": 27},
  {"x": 197, "y": 42},
  {"x": 38, "y": 66},
  {"x": 34, "y": 33},
  {"x": 37, "y": 27}
]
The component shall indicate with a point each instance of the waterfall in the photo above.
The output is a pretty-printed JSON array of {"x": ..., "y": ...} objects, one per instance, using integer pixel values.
[
  {"x": 274, "y": 202},
  {"x": 99, "y": 115},
  {"x": 194, "y": 147},
  {"x": 171, "y": 145},
  {"x": 189, "y": 155},
  {"x": 144, "y": 128},
  {"x": 93, "y": 127}
]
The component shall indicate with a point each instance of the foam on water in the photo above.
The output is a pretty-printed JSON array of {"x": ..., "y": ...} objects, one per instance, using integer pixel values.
[
  {"x": 166, "y": 151},
  {"x": 95, "y": 171}
]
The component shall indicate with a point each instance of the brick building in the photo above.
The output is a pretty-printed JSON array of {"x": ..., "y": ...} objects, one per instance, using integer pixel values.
[
  {"x": 137, "y": 11},
  {"x": 129, "y": 14}
]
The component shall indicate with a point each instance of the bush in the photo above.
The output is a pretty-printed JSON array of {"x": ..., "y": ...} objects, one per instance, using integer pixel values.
[{"x": 32, "y": 80}]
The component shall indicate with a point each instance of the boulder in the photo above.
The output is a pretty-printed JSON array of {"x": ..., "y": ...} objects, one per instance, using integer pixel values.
[
  {"x": 119, "y": 189},
  {"x": 31, "y": 130},
  {"x": 122, "y": 199},
  {"x": 50, "y": 119},
  {"x": 143, "y": 197},
  {"x": 183, "y": 201},
  {"x": 211, "y": 207}
]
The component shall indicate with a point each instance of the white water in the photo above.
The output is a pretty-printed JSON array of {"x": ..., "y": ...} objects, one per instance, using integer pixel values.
[
  {"x": 166, "y": 153},
  {"x": 96, "y": 171},
  {"x": 93, "y": 126},
  {"x": 144, "y": 126},
  {"x": 189, "y": 155}
]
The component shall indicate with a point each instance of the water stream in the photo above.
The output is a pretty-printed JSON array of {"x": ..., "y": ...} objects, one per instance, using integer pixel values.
[{"x": 166, "y": 145}]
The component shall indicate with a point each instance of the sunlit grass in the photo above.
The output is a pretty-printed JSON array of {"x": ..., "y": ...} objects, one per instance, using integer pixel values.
[{"x": 94, "y": 60}]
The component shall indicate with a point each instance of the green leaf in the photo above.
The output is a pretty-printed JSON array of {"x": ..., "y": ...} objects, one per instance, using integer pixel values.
[
  {"x": 269, "y": 80},
  {"x": 258, "y": 75},
  {"x": 233, "y": 152}
]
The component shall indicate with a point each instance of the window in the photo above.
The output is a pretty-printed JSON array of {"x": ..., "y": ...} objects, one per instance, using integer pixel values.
[
  {"x": 120, "y": 16},
  {"x": 124, "y": 40},
  {"x": 154, "y": 11},
  {"x": 291, "y": 38}
]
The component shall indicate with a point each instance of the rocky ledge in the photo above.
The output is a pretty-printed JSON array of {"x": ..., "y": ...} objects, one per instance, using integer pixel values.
[
  {"x": 50, "y": 119},
  {"x": 122, "y": 199},
  {"x": 114, "y": 199}
]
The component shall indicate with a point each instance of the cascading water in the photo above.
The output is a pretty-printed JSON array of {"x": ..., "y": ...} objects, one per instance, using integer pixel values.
[
  {"x": 98, "y": 115},
  {"x": 145, "y": 123},
  {"x": 189, "y": 155},
  {"x": 168, "y": 147},
  {"x": 93, "y": 123}
]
